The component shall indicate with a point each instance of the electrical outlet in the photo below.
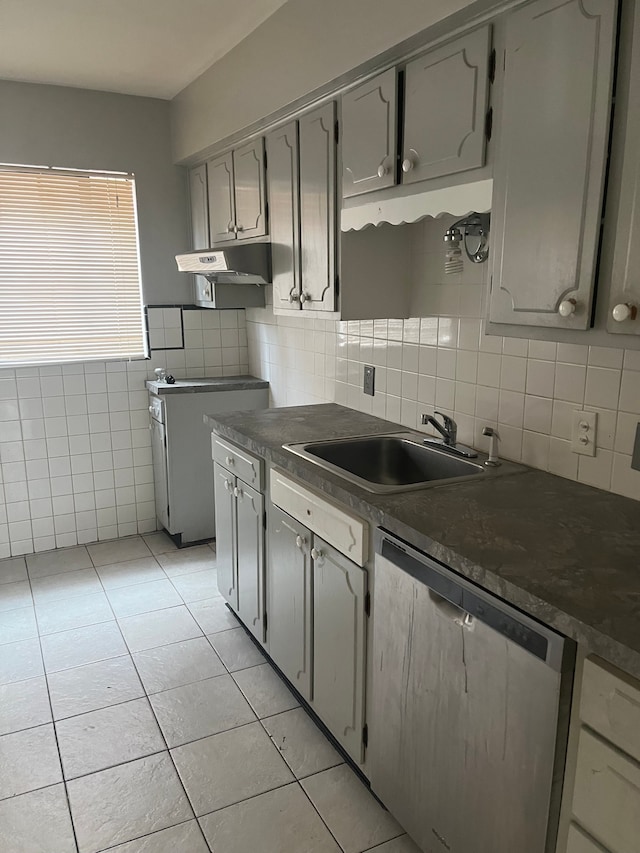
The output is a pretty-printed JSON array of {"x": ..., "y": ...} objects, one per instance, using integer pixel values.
[
  {"x": 369, "y": 380},
  {"x": 583, "y": 433}
]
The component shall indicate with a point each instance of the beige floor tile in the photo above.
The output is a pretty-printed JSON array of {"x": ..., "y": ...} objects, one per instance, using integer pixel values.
[
  {"x": 196, "y": 586},
  {"x": 236, "y": 650},
  {"x": 15, "y": 595},
  {"x": 66, "y": 585},
  {"x": 266, "y": 691},
  {"x": 38, "y": 822},
  {"x": 29, "y": 760},
  {"x": 19, "y": 661},
  {"x": 351, "y": 812},
  {"x": 12, "y": 570},
  {"x": 213, "y": 615},
  {"x": 24, "y": 704},
  {"x": 93, "y": 686},
  {"x": 110, "y": 736},
  {"x": 120, "y": 804},
  {"x": 187, "y": 560},
  {"x": 403, "y": 844},
  {"x": 166, "y": 667},
  {"x": 77, "y": 612},
  {"x": 197, "y": 710},
  {"x": 229, "y": 767},
  {"x": 82, "y": 645},
  {"x": 159, "y": 543},
  {"x": 16, "y": 625},
  {"x": 118, "y": 550},
  {"x": 184, "y": 838},
  {"x": 301, "y": 743},
  {"x": 159, "y": 628},
  {"x": 280, "y": 821},
  {"x": 130, "y": 572},
  {"x": 143, "y": 598},
  {"x": 57, "y": 562}
]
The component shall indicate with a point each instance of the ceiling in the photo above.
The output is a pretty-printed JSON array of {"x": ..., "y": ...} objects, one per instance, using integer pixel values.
[{"x": 136, "y": 47}]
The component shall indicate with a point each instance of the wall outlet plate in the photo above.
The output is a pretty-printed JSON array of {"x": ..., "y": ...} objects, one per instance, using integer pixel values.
[
  {"x": 369, "y": 384},
  {"x": 583, "y": 432}
]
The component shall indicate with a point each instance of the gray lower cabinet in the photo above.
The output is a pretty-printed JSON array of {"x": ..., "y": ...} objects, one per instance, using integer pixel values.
[
  {"x": 550, "y": 164},
  {"x": 160, "y": 471},
  {"x": 289, "y": 598},
  {"x": 444, "y": 108},
  {"x": 369, "y": 135},
  {"x": 240, "y": 548},
  {"x": 317, "y": 625}
]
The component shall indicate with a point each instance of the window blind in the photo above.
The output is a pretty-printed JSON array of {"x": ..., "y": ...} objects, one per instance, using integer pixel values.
[{"x": 70, "y": 285}]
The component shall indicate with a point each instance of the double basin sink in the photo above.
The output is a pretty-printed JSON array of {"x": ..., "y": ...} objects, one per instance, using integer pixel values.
[{"x": 398, "y": 462}]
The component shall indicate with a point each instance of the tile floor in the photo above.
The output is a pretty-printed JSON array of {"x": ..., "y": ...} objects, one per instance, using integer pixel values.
[{"x": 137, "y": 717}]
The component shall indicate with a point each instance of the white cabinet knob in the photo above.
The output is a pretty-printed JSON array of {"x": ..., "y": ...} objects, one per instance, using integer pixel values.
[
  {"x": 229, "y": 460},
  {"x": 304, "y": 297},
  {"x": 237, "y": 493},
  {"x": 300, "y": 542},
  {"x": 227, "y": 485},
  {"x": 623, "y": 312},
  {"x": 382, "y": 171},
  {"x": 239, "y": 228},
  {"x": 151, "y": 407},
  {"x": 317, "y": 554},
  {"x": 567, "y": 307},
  {"x": 231, "y": 228},
  {"x": 407, "y": 165},
  {"x": 294, "y": 297}
]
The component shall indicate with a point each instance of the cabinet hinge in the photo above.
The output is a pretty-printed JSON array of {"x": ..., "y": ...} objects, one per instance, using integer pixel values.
[
  {"x": 488, "y": 123},
  {"x": 365, "y": 735},
  {"x": 367, "y": 604},
  {"x": 492, "y": 65},
  {"x": 337, "y": 132}
]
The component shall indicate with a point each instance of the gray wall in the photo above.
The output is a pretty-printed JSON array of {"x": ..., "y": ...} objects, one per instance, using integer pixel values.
[
  {"x": 81, "y": 129},
  {"x": 302, "y": 46}
]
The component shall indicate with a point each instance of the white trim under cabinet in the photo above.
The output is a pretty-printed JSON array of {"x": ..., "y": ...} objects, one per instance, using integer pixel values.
[{"x": 550, "y": 163}]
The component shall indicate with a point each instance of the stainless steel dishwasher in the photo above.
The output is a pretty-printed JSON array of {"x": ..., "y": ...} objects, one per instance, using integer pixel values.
[{"x": 469, "y": 711}]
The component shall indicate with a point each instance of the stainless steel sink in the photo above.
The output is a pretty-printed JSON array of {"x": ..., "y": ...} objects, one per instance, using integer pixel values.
[{"x": 393, "y": 463}]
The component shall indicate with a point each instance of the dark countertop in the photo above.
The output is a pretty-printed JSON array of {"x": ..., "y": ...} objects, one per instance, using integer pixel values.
[
  {"x": 565, "y": 553},
  {"x": 206, "y": 385}
]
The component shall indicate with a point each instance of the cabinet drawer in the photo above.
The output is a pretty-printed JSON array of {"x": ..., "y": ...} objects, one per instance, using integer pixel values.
[
  {"x": 578, "y": 842},
  {"x": 346, "y": 532},
  {"x": 611, "y": 705},
  {"x": 606, "y": 797},
  {"x": 246, "y": 466}
]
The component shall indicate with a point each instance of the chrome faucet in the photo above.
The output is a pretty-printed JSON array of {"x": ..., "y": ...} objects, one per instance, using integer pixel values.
[{"x": 448, "y": 429}]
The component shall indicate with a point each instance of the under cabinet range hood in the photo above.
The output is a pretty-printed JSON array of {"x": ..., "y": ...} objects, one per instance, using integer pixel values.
[{"x": 231, "y": 276}]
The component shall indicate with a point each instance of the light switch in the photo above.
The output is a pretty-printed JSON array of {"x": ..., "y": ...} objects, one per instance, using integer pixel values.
[
  {"x": 583, "y": 433},
  {"x": 369, "y": 380}
]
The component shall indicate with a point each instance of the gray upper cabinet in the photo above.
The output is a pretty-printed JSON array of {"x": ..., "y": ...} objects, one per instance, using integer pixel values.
[
  {"x": 289, "y": 598},
  {"x": 339, "y": 634},
  {"x": 282, "y": 155},
  {"x": 199, "y": 207},
  {"x": 549, "y": 173},
  {"x": 369, "y": 134},
  {"x": 318, "y": 208},
  {"x": 445, "y": 108},
  {"x": 237, "y": 198},
  {"x": 222, "y": 209},
  {"x": 250, "y": 201},
  {"x": 625, "y": 280}
]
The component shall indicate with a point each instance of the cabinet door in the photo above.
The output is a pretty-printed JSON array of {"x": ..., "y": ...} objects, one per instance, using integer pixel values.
[
  {"x": 250, "y": 557},
  {"x": 289, "y": 598},
  {"x": 199, "y": 207},
  {"x": 339, "y": 589},
  {"x": 160, "y": 473},
  {"x": 284, "y": 215},
  {"x": 369, "y": 134},
  {"x": 318, "y": 208},
  {"x": 549, "y": 175},
  {"x": 625, "y": 278},
  {"x": 248, "y": 174},
  {"x": 224, "y": 484},
  {"x": 445, "y": 107},
  {"x": 222, "y": 212}
]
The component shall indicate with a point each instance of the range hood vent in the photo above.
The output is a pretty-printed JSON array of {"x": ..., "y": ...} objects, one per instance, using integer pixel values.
[
  {"x": 229, "y": 276},
  {"x": 400, "y": 210}
]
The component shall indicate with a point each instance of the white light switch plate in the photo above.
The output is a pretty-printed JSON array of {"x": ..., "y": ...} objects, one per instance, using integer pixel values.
[{"x": 583, "y": 433}]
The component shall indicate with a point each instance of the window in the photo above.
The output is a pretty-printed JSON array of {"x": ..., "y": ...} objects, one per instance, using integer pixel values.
[{"x": 70, "y": 285}]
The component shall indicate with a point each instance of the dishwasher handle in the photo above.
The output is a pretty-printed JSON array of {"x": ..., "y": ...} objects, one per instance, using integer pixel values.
[{"x": 451, "y": 611}]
